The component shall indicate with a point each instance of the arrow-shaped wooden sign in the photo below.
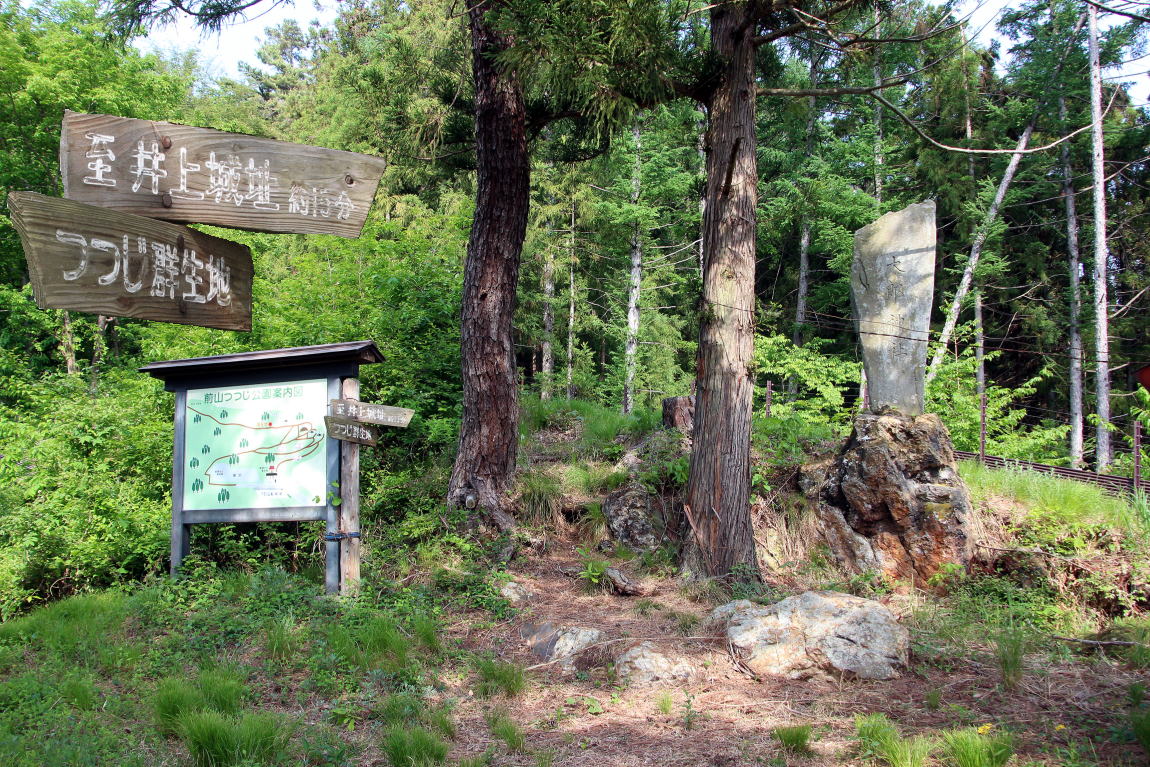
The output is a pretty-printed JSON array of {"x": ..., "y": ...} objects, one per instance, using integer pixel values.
[
  {"x": 119, "y": 265},
  {"x": 180, "y": 173}
]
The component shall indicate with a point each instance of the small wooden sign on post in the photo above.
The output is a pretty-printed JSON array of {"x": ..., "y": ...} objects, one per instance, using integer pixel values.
[
  {"x": 354, "y": 423},
  {"x": 119, "y": 265},
  {"x": 182, "y": 173}
]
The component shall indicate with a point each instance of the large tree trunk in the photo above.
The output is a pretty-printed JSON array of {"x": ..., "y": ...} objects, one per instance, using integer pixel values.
[
  {"x": 717, "y": 505},
  {"x": 631, "y": 350},
  {"x": 976, "y": 250},
  {"x": 1101, "y": 257},
  {"x": 1075, "y": 323},
  {"x": 489, "y": 433}
]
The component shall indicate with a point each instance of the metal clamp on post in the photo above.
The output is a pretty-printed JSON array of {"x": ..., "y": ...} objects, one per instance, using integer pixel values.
[{"x": 340, "y": 536}]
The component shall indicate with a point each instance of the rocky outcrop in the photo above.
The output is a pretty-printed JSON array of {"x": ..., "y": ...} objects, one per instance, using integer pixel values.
[
  {"x": 893, "y": 502},
  {"x": 515, "y": 593},
  {"x": 628, "y": 514},
  {"x": 821, "y": 634},
  {"x": 643, "y": 664}
]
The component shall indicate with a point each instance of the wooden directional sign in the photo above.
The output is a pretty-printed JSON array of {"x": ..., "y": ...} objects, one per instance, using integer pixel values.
[
  {"x": 347, "y": 430},
  {"x": 366, "y": 412},
  {"x": 116, "y": 264},
  {"x": 181, "y": 173}
]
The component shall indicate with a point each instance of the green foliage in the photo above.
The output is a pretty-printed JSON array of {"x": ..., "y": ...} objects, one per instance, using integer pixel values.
[
  {"x": 593, "y": 576},
  {"x": 872, "y": 731},
  {"x": 281, "y": 639},
  {"x": 822, "y": 380},
  {"x": 795, "y": 738},
  {"x": 499, "y": 678}
]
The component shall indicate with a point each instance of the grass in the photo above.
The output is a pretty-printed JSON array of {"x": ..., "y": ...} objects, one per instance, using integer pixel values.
[
  {"x": 795, "y": 739},
  {"x": 970, "y": 748},
  {"x": 592, "y": 523},
  {"x": 173, "y": 698},
  {"x": 280, "y": 639},
  {"x": 1010, "y": 650},
  {"x": 665, "y": 702},
  {"x": 413, "y": 747},
  {"x": 541, "y": 495},
  {"x": 1059, "y": 500},
  {"x": 599, "y": 428},
  {"x": 1140, "y": 725},
  {"x": 80, "y": 692},
  {"x": 504, "y": 728},
  {"x": 216, "y": 740},
  {"x": 425, "y": 628},
  {"x": 879, "y": 738},
  {"x": 222, "y": 689},
  {"x": 499, "y": 678}
]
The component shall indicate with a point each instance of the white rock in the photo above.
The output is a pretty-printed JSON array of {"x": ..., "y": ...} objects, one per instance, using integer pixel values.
[
  {"x": 644, "y": 665},
  {"x": 515, "y": 592},
  {"x": 820, "y": 633},
  {"x": 723, "y": 613}
]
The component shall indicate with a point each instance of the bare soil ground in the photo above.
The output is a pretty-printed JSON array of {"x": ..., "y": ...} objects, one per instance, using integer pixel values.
[{"x": 1063, "y": 713}]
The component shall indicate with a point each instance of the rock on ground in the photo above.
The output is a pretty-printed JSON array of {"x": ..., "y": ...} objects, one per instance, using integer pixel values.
[
  {"x": 643, "y": 664},
  {"x": 563, "y": 644},
  {"x": 818, "y": 634},
  {"x": 628, "y": 515},
  {"x": 515, "y": 592},
  {"x": 893, "y": 501}
]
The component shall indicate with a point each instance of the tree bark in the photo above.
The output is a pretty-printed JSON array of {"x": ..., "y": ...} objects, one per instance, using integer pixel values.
[
  {"x": 67, "y": 343},
  {"x": 488, "y": 436},
  {"x": 571, "y": 310},
  {"x": 876, "y": 73},
  {"x": 976, "y": 251},
  {"x": 717, "y": 508},
  {"x": 1075, "y": 322},
  {"x": 547, "y": 366},
  {"x": 805, "y": 227},
  {"x": 1101, "y": 257},
  {"x": 631, "y": 350}
]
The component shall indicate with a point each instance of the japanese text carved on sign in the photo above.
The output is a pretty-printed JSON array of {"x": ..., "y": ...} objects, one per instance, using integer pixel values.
[
  {"x": 181, "y": 173},
  {"x": 119, "y": 265}
]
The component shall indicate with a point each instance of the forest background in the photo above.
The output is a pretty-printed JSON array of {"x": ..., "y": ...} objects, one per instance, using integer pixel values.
[{"x": 608, "y": 304}]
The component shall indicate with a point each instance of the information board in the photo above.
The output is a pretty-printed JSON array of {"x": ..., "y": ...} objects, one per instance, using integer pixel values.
[{"x": 256, "y": 447}]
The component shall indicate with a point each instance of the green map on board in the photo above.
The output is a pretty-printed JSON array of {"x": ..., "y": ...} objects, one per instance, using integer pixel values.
[{"x": 256, "y": 447}]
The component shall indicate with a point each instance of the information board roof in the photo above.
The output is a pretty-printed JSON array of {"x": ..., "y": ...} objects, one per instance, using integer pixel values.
[{"x": 288, "y": 362}]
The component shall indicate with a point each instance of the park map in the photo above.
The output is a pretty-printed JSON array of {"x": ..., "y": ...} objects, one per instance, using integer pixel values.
[{"x": 255, "y": 447}]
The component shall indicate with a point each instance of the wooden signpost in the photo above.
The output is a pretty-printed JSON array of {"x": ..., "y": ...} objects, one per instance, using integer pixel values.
[
  {"x": 267, "y": 436},
  {"x": 181, "y": 173},
  {"x": 119, "y": 265}
]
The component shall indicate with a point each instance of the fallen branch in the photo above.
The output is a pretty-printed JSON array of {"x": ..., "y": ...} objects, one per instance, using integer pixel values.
[{"x": 1100, "y": 642}]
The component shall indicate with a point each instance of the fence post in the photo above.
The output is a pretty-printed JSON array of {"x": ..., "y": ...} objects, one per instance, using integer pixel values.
[
  {"x": 1137, "y": 455},
  {"x": 982, "y": 428},
  {"x": 767, "y": 411}
]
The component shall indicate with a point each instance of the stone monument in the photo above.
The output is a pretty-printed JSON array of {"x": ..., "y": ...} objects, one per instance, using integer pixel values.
[
  {"x": 892, "y": 291},
  {"x": 892, "y": 500}
]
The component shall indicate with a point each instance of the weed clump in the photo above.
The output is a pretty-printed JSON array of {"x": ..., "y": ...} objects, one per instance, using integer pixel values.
[
  {"x": 216, "y": 740},
  {"x": 413, "y": 747},
  {"x": 970, "y": 748},
  {"x": 505, "y": 729},
  {"x": 496, "y": 677},
  {"x": 795, "y": 739},
  {"x": 540, "y": 494}
]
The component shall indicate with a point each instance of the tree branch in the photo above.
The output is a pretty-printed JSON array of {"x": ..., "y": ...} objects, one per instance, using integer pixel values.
[
  {"x": 874, "y": 94},
  {"x": 1117, "y": 12}
]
